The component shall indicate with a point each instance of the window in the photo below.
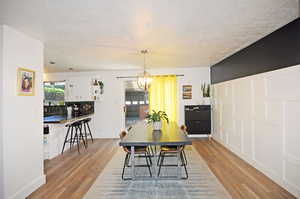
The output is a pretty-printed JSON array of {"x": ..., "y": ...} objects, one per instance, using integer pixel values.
[
  {"x": 134, "y": 102},
  {"x": 142, "y": 102},
  {"x": 128, "y": 102},
  {"x": 54, "y": 93}
]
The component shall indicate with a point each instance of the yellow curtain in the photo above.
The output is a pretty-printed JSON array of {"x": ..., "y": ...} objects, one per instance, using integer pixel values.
[{"x": 163, "y": 96}]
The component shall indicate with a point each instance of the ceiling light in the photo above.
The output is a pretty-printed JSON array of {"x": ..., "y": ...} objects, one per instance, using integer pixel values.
[{"x": 144, "y": 79}]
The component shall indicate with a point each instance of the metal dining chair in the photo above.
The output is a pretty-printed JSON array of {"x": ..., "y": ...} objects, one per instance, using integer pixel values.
[
  {"x": 172, "y": 151},
  {"x": 139, "y": 150}
]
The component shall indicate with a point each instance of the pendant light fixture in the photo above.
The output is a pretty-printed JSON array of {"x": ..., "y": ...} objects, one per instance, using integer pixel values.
[{"x": 144, "y": 79}]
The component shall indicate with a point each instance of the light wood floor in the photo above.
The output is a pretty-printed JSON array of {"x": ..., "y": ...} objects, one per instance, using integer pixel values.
[
  {"x": 240, "y": 179},
  {"x": 71, "y": 175}
]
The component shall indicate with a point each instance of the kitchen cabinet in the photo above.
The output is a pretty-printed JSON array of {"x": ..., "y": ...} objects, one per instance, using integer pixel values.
[{"x": 78, "y": 89}]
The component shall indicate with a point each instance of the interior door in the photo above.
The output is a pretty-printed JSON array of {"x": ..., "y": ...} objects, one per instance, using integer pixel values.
[{"x": 136, "y": 103}]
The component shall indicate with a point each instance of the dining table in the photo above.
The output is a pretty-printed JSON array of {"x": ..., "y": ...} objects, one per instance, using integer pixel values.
[{"x": 142, "y": 134}]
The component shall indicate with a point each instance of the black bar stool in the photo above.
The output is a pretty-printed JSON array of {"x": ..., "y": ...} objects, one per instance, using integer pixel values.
[
  {"x": 76, "y": 138},
  {"x": 86, "y": 126}
]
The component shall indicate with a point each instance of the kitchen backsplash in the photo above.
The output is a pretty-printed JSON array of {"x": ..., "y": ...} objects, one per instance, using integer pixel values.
[
  {"x": 85, "y": 107},
  {"x": 55, "y": 110}
]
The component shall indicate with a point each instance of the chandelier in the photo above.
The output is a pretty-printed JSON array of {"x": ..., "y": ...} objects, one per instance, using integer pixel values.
[{"x": 144, "y": 79}]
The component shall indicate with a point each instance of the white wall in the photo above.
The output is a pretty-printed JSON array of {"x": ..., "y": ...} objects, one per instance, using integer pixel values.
[
  {"x": 257, "y": 117},
  {"x": 23, "y": 116},
  {"x": 1, "y": 118},
  {"x": 109, "y": 117}
]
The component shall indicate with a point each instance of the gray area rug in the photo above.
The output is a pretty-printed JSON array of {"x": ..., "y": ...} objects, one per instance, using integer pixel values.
[{"x": 201, "y": 184}]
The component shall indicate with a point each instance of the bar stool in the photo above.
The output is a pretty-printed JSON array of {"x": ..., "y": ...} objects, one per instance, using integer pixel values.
[
  {"x": 76, "y": 138},
  {"x": 86, "y": 126}
]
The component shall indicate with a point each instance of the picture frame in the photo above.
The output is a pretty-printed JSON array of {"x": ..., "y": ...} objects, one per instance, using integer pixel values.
[
  {"x": 187, "y": 92},
  {"x": 25, "y": 82}
]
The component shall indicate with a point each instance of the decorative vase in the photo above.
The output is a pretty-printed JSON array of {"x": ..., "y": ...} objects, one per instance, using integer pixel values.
[
  {"x": 157, "y": 126},
  {"x": 206, "y": 100}
]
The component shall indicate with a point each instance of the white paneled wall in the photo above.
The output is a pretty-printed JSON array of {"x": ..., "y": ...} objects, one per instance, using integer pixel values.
[{"x": 258, "y": 118}]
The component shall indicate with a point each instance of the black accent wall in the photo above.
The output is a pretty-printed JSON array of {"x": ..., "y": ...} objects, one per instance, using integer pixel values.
[{"x": 279, "y": 49}]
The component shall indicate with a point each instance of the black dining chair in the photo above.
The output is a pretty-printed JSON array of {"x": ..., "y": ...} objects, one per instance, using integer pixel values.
[
  {"x": 142, "y": 151},
  {"x": 172, "y": 151}
]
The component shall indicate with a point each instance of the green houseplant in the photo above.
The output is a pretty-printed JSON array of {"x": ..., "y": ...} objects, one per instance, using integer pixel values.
[
  {"x": 205, "y": 88},
  {"x": 156, "y": 119}
]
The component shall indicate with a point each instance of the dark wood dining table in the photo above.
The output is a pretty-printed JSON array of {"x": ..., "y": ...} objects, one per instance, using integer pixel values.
[{"x": 142, "y": 134}]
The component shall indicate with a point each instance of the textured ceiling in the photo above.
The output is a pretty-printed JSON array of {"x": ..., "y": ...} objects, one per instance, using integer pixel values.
[{"x": 99, "y": 34}]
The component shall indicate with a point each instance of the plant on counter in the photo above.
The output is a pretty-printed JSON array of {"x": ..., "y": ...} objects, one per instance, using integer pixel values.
[
  {"x": 156, "y": 119},
  {"x": 205, "y": 88}
]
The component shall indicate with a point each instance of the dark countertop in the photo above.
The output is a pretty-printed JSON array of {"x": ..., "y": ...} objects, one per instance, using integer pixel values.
[
  {"x": 142, "y": 134},
  {"x": 61, "y": 119}
]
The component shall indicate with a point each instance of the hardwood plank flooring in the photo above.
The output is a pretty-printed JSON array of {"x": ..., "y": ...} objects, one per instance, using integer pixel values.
[
  {"x": 240, "y": 179},
  {"x": 72, "y": 174}
]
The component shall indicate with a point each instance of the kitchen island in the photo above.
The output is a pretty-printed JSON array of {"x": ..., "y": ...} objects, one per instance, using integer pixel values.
[
  {"x": 55, "y": 125},
  {"x": 62, "y": 119}
]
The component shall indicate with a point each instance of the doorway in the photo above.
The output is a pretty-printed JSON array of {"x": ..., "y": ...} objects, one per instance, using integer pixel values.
[{"x": 136, "y": 103}]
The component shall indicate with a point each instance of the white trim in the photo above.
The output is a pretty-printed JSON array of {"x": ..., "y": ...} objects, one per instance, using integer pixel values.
[
  {"x": 199, "y": 135},
  {"x": 29, "y": 188}
]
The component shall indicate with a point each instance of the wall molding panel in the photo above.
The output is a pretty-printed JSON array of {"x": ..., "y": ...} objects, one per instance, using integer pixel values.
[{"x": 257, "y": 118}]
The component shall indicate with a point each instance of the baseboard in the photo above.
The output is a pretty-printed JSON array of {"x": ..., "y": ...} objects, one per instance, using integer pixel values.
[
  {"x": 106, "y": 137},
  {"x": 29, "y": 188},
  {"x": 199, "y": 135},
  {"x": 101, "y": 134}
]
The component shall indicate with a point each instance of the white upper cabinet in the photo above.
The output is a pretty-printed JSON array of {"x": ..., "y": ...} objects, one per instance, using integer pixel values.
[{"x": 78, "y": 89}]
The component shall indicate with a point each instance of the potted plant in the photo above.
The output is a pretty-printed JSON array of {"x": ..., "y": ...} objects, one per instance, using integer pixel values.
[
  {"x": 156, "y": 119},
  {"x": 205, "y": 88}
]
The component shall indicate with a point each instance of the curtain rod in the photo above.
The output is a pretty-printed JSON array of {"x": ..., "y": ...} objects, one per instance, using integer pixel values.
[{"x": 122, "y": 77}]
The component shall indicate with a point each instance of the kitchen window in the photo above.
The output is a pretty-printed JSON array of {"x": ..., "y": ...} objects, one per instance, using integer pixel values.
[{"x": 54, "y": 93}]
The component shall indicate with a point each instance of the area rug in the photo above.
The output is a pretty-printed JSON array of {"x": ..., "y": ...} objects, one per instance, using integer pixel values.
[{"x": 201, "y": 183}]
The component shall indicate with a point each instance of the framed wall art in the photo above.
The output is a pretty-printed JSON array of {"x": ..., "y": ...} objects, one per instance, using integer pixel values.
[
  {"x": 187, "y": 92},
  {"x": 25, "y": 82}
]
